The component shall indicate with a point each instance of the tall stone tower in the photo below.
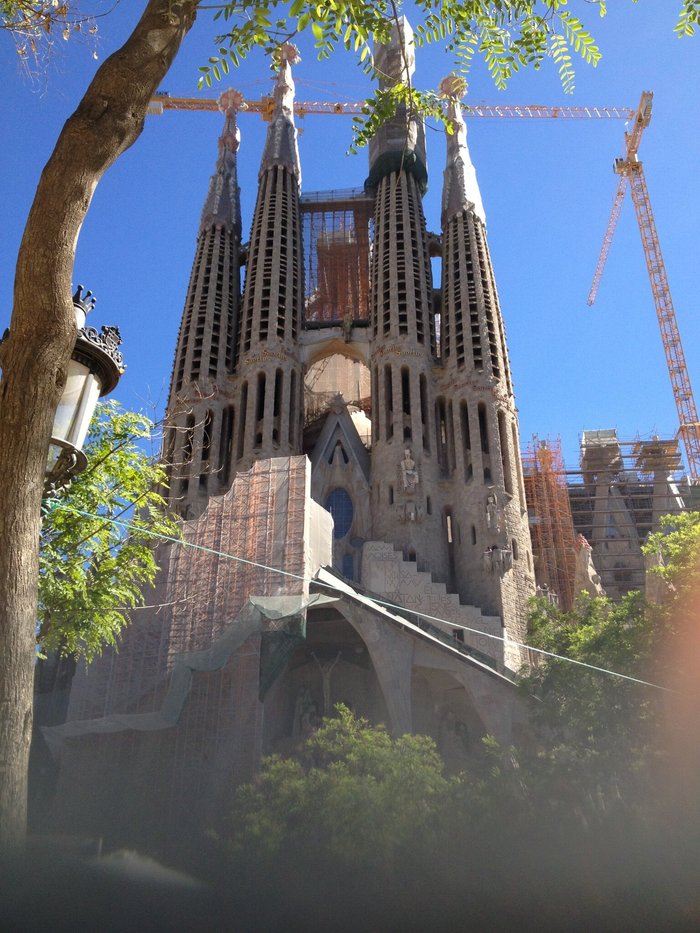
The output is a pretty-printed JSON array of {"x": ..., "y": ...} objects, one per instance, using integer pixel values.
[
  {"x": 268, "y": 385},
  {"x": 477, "y": 421},
  {"x": 198, "y": 425},
  {"x": 406, "y": 468}
]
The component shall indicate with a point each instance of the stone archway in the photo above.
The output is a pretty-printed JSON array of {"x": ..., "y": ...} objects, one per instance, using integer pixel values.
[
  {"x": 336, "y": 371},
  {"x": 443, "y": 709},
  {"x": 331, "y": 666}
]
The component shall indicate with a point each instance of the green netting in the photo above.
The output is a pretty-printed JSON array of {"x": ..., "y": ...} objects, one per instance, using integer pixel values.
[{"x": 276, "y": 648}]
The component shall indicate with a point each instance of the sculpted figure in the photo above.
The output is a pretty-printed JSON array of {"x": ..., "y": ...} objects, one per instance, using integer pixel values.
[
  {"x": 304, "y": 713},
  {"x": 409, "y": 471},
  {"x": 326, "y": 669},
  {"x": 585, "y": 575},
  {"x": 492, "y": 517}
]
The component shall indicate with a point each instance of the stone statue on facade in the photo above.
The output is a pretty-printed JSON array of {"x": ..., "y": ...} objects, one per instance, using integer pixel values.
[
  {"x": 409, "y": 470},
  {"x": 305, "y": 719},
  {"x": 493, "y": 518},
  {"x": 585, "y": 576},
  {"x": 498, "y": 559}
]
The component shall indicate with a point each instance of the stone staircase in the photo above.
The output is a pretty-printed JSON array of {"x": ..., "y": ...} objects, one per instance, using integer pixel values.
[{"x": 386, "y": 574}]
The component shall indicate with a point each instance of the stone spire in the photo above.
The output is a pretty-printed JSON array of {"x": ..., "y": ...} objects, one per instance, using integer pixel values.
[
  {"x": 281, "y": 145},
  {"x": 222, "y": 205},
  {"x": 399, "y": 143},
  {"x": 267, "y": 398},
  {"x": 460, "y": 189},
  {"x": 198, "y": 434},
  {"x": 484, "y": 495}
]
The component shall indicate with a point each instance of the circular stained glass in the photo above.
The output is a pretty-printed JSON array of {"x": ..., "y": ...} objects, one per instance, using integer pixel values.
[{"x": 339, "y": 504}]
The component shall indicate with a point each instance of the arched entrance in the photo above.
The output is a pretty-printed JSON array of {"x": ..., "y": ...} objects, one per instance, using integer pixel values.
[
  {"x": 331, "y": 666},
  {"x": 443, "y": 709}
]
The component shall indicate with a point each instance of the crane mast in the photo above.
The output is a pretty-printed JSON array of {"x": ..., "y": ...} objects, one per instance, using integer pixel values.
[
  {"x": 689, "y": 428},
  {"x": 631, "y": 173}
]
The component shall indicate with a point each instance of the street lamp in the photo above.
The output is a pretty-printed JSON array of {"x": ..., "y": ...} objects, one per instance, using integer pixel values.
[{"x": 94, "y": 370}]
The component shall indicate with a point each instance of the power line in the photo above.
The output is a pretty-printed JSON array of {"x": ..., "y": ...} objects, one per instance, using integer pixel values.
[{"x": 128, "y": 525}]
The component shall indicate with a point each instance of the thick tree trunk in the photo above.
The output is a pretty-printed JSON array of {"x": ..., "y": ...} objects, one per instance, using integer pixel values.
[{"x": 36, "y": 354}]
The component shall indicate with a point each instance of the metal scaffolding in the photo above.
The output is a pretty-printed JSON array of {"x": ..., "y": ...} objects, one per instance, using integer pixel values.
[
  {"x": 336, "y": 232},
  {"x": 615, "y": 499},
  {"x": 551, "y": 525}
]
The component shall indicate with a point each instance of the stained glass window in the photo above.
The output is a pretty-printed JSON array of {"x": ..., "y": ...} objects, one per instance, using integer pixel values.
[{"x": 339, "y": 504}]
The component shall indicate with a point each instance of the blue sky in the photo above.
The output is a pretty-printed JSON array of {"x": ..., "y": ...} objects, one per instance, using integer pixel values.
[{"x": 547, "y": 188}]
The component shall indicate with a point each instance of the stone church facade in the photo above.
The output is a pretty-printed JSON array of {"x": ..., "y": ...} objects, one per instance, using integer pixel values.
[{"x": 343, "y": 449}]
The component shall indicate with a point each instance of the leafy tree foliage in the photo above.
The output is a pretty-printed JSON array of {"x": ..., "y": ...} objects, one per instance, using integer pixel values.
[
  {"x": 92, "y": 570},
  {"x": 598, "y": 732},
  {"x": 677, "y": 550},
  {"x": 508, "y": 35},
  {"x": 605, "y": 739},
  {"x": 689, "y": 18},
  {"x": 364, "y": 832},
  {"x": 353, "y": 796},
  {"x": 362, "y": 829}
]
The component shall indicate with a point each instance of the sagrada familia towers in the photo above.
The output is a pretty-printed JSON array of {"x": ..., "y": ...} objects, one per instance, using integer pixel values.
[
  {"x": 441, "y": 471},
  {"x": 338, "y": 381}
]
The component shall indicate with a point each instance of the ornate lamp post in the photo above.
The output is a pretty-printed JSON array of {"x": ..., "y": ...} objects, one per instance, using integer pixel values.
[{"x": 94, "y": 370}]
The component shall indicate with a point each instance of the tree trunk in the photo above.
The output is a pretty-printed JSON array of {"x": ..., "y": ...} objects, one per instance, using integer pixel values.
[{"x": 35, "y": 356}]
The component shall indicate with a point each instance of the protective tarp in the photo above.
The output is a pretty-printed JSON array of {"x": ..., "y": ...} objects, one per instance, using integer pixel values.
[
  {"x": 276, "y": 648},
  {"x": 260, "y": 614}
]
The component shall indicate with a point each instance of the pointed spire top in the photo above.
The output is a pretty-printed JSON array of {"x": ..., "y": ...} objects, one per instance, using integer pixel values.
[
  {"x": 281, "y": 144},
  {"x": 230, "y": 103},
  {"x": 461, "y": 189},
  {"x": 286, "y": 56},
  {"x": 222, "y": 205}
]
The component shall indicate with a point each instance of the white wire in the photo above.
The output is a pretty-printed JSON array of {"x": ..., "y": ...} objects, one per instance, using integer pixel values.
[{"x": 55, "y": 503}]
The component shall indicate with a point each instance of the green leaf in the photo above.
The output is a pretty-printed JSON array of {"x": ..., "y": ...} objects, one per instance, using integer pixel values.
[{"x": 92, "y": 572}]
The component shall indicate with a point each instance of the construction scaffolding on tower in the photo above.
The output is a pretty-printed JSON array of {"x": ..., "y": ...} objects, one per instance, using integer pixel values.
[
  {"x": 615, "y": 499},
  {"x": 336, "y": 234},
  {"x": 551, "y": 525}
]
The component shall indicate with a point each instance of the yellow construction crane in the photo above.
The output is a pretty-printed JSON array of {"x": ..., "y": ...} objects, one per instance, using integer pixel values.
[
  {"x": 631, "y": 173},
  {"x": 265, "y": 106}
]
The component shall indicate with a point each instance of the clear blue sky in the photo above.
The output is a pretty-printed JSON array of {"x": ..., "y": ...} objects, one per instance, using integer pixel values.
[{"x": 547, "y": 188}]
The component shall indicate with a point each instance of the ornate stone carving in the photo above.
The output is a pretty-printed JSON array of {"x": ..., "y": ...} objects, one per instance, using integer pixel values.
[
  {"x": 305, "y": 717},
  {"x": 326, "y": 669},
  {"x": 86, "y": 302},
  {"x": 585, "y": 575},
  {"x": 498, "y": 559}
]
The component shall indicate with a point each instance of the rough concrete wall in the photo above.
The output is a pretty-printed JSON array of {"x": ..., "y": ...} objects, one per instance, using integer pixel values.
[{"x": 131, "y": 677}]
